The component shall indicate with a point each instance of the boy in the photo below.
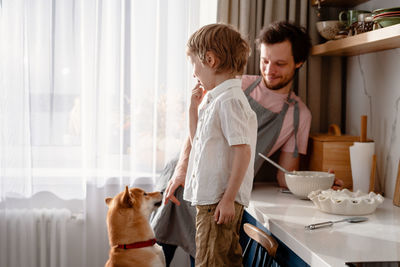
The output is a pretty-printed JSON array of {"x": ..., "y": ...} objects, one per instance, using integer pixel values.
[{"x": 223, "y": 133}]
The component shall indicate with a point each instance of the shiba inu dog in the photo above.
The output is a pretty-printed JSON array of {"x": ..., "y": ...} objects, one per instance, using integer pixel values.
[{"x": 131, "y": 237}]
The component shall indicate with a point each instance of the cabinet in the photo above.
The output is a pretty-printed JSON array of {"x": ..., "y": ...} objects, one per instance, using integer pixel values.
[{"x": 284, "y": 255}]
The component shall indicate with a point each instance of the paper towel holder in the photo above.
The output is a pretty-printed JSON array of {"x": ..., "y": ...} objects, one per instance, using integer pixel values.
[
  {"x": 373, "y": 174},
  {"x": 363, "y": 134},
  {"x": 396, "y": 195},
  {"x": 362, "y": 152},
  {"x": 363, "y": 130}
]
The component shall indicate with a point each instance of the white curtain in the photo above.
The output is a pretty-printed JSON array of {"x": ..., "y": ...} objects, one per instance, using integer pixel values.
[
  {"x": 92, "y": 89},
  {"x": 93, "y": 97}
]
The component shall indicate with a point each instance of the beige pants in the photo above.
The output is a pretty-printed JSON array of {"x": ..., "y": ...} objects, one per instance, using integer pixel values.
[{"x": 217, "y": 244}]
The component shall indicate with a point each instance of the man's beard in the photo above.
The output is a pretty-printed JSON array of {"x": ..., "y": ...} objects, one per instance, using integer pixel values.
[{"x": 281, "y": 84}]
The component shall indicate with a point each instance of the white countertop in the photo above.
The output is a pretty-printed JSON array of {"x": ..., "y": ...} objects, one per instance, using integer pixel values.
[{"x": 285, "y": 216}]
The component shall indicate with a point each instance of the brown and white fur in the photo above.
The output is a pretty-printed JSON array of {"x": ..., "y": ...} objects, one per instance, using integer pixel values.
[{"x": 128, "y": 222}]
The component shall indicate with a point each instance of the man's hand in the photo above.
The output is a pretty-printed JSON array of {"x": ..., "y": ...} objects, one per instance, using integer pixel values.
[
  {"x": 338, "y": 183},
  {"x": 173, "y": 184},
  {"x": 290, "y": 163},
  {"x": 225, "y": 212}
]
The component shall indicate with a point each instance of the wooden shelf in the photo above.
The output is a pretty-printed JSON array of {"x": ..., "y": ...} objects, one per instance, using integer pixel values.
[
  {"x": 373, "y": 41},
  {"x": 338, "y": 3}
]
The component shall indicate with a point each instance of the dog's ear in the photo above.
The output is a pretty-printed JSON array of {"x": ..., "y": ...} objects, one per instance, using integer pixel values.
[
  {"x": 108, "y": 200},
  {"x": 126, "y": 198}
]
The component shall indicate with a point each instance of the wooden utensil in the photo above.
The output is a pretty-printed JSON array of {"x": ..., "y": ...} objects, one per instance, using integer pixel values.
[
  {"x": 363, "y": 135},
  {"x": 372, "y": 177},
  {"x": 396, "y": 197}
]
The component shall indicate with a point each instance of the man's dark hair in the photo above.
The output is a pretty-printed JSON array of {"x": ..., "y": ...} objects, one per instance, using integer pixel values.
[{"x": 278, "y": 32}]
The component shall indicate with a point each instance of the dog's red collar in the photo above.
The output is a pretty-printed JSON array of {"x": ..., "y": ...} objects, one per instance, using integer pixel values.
[{"x": 140, "y": 244}]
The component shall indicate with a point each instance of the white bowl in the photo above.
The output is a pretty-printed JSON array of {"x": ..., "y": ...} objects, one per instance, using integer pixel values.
[
  {"x": 344, "y": 202},
  {"x": 301, "y": 183},
  {"x": 329, "y": 28}
]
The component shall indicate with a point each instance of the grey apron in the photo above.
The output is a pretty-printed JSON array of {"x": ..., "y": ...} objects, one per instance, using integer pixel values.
[
  {"x": 175, "y": 225},
  {"x": 270, "y": 124}
]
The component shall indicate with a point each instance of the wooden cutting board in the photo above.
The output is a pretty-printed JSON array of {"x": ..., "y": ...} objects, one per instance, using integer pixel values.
[{"x": 331, "y": 151}]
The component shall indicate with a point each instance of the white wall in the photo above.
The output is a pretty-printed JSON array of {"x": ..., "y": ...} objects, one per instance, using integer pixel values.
[{"x": 373, "y": 89}]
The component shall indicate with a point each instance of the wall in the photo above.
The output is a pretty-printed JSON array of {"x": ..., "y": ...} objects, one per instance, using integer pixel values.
[{"x": 373, "y": 89}]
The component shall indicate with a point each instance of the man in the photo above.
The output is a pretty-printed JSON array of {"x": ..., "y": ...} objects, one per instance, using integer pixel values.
[
  {"x": 283, "y": 119},
  {"x": 283, "y": 124}
]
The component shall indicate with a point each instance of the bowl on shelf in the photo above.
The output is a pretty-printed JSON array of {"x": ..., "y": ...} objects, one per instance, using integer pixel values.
[
  {"x": 329, "y": 28},
  {"x": 301, "y": 183},
  {"x": 387, "y": 21},
  {"x": 386, "y": 17},
  {"x": 385, "y": 10}
]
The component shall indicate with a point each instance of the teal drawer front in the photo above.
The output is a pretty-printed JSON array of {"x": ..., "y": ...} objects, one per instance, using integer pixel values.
[{"x": 285, "y": 256}]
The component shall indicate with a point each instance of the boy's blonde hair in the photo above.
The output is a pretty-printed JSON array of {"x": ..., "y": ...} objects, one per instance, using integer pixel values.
[{"x": 225, "y": 42}]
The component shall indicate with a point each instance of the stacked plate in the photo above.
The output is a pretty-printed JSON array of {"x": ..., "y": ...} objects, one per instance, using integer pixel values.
[{"x": 387, "y": 17}]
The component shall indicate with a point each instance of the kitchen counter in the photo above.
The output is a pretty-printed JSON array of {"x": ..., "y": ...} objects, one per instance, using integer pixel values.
[{"x": 285, "y": 216}]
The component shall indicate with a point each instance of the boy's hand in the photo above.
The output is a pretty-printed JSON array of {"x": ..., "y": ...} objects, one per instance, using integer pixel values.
[
  {"x": 176, "y": 181},
  {"x": 225, "y": 212},
  {"x": 197, "y": 96}
]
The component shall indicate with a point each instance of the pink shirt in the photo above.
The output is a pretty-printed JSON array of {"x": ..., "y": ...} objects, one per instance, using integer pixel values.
[{"x": 274, "y": 102}]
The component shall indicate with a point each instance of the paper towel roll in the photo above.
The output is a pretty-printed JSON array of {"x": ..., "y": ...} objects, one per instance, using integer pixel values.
[{"x": 361, "y": 161}]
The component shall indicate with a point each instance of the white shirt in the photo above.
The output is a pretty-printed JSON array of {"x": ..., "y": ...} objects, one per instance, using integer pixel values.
[{"x": 225, "y": 119}]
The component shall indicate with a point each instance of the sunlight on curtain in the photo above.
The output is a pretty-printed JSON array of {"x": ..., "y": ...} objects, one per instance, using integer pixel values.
[{"x": 91, "y": 90}]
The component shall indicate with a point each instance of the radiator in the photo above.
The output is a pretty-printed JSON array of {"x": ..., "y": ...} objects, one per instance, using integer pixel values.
[{"x": 35, "y": 237}]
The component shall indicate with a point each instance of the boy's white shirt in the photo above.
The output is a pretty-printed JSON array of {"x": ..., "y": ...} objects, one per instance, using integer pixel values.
[{"x": 225, "y": 119}]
